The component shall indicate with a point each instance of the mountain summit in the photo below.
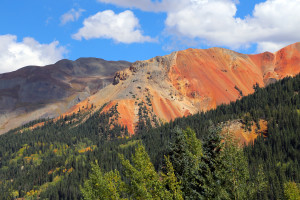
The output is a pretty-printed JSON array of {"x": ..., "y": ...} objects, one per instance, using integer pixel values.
[
  {"x": 36, "y": 92},
  {"x": 186, "y": 82},
  {"x": 144, "y": 92}
]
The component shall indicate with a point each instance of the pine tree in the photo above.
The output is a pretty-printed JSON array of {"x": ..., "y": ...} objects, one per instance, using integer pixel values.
[
  {"x": 108, "y": 186},
  {"x": 185, "y": 155},
  {"x": 170, "y": 182},
  {"x": 144, "y": 180},
  {"x": 234, "y": 170}
]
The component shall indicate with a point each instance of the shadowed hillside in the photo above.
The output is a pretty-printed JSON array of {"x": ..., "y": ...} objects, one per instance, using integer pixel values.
[{"x": 40, "y": 92}]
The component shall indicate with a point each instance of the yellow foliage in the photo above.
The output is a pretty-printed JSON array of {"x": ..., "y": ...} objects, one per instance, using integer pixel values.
[
  {"x": 85, "y": 150},
  {"x": 129, "y": 144},
  {"x": 70, "y": 170},
  {"x": 291, "y": 191},
  {"x": 31, "y": 193},
  {"x": 15, "y": 193},
  {"x": 57, "y": 179},
  {"x": 21, "y": 151}
]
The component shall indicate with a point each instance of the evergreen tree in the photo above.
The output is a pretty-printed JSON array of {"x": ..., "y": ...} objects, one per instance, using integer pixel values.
[
  {"x": 170, "y": 181},
  {"x": 185, "y": 154},
  {"x": 144, "y": 181},
  {"x": 108, "y": 186},
  {"x": 234, "y": 170}
]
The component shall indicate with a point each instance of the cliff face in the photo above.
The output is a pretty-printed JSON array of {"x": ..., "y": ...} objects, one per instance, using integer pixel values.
[
  {"x": 189, "y": 81},
  {"x": 36, "y": 92}
]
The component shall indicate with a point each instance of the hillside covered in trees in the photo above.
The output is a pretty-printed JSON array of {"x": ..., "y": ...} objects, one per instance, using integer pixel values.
[{"x": 57, "y": 160}]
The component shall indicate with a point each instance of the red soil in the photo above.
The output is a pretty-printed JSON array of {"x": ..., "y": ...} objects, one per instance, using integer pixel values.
[
  {"x": 126, "y": 112},
  {"x": 215, "y": 72},
  {"x": 164, "y": 108},
  {"x": 206, "y": 79}
]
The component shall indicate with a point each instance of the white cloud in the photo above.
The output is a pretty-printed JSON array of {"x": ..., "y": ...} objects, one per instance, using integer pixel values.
[
  {"x": 123, "y": 27},
  {"x": 270, "y": 46},
  {"x": 71, "y": 16},
  {"x": 274, "y": 23},
  {"x": 14, "y": 54},
  {"x": 271, "y": 25}
]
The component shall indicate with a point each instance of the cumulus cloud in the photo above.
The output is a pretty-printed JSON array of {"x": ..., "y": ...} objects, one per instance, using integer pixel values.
[
  {"x": 122, "y": 28},
  {"x": 271, "y": 25},
  {"x": 14, "y": 54},
  {"x": 270, "y": 46},
  {"x": 71, "y": 16}
]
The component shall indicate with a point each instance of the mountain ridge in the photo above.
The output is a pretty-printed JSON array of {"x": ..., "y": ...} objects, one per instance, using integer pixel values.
[
  {"x": 35, "y": 92},
  {"x": 190, "y": 81},
  {"x": 184, "y": 82}
]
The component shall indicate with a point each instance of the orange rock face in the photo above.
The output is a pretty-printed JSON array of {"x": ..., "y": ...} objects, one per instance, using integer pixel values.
[
  {"x": 192, "y": 80},
  {"x": 126, "y": 114},
  {"x": 165, "y": 108}
]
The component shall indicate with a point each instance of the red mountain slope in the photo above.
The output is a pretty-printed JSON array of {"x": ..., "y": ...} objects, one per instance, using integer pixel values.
[
  {"x": 186, "y": 82},
  {"x": 190, "y": 81}
]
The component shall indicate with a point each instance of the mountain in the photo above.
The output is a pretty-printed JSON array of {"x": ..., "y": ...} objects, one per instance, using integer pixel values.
[
  {"x": 34, "y": 92},
  {"x": 186, "y": 82},
  {"x": 148, "y": 92},
  {"x": 53, "y": 161}
]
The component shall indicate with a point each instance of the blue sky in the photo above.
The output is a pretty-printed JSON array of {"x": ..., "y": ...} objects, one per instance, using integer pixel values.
[{"x": 40, "y": 32}]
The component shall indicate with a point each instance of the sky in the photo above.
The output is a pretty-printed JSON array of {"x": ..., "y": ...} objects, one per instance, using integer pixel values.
[{"x": 41, "y": 32}]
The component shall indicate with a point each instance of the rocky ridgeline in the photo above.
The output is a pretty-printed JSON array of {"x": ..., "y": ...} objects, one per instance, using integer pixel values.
[{"x": 150, "y": 68}]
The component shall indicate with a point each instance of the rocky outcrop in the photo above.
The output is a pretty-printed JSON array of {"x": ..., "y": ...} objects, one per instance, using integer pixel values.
[{"x": 121, "y": 75}]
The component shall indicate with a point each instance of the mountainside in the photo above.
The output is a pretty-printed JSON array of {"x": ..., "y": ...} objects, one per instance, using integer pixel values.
[
  {"x": 186, "y": 82},
  {"x": 148, "y": 92},
  {"x": 53, "y": 161},
  {"x": 36, "y": 92}
]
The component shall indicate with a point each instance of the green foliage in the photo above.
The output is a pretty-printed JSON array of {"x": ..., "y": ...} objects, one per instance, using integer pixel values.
[
  {"x": 260, "y": 184},
  {"x": 170, "y": 182},
  {"x": 185, "y": 154},
  {"x": 291, "y": 191},
  {"x": 234, "y": 172},
  {"x": 33, "y": 159},
  {"x": 131, "y": 143},
  {"x": 214, "y": 170},
  {"x": 143, "y": 181},
  {"x": 6, "y": 190},
  {"x": 247, "y": 121},
  {"x": 108, "y": 186}
]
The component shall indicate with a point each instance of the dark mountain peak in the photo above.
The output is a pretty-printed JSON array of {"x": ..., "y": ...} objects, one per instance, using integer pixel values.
[{"x": 33, "y": 91}]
